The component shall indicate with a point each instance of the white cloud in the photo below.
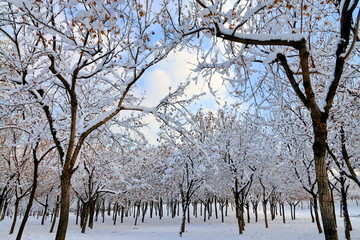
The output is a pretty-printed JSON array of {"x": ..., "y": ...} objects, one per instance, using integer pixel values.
[{"x": 176, "y": 68}]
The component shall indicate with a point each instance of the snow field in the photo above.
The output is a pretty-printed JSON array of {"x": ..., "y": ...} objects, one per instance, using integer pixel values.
[{"x": 167, "y": 228}]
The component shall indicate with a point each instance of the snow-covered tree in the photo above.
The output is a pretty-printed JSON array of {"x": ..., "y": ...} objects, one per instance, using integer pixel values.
[
  {"x": 80, "y": 62},
  {"x": 300, "y": 43}
]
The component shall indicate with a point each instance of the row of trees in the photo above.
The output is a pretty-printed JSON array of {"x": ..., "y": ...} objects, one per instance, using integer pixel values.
[
  {"x": 69, "y": 70},
  {"x": 221, "y": 158}
]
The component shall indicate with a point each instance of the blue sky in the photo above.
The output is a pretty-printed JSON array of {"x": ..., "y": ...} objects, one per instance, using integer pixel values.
[{"x": 176, "y": 68}]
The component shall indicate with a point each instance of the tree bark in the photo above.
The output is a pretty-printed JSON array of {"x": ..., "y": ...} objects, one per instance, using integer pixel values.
[
  {"x": 264, "y": 203},
  {"x": 64, "y": 205},
  {"x": 347, "y": 222},
  {"x": 325, "y": 199},
  {"x": 15, "y": 216},
  {"x": 31, "y": 199},
  {"x": 317, "y": 219},
  {"x": 55, "y": 214},
  {"x": 45, "y": 209}
]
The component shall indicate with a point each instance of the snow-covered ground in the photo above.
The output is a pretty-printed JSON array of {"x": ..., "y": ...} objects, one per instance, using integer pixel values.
[{"x": 300, "y": 229}]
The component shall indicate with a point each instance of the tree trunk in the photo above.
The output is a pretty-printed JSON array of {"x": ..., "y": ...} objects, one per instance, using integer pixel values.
[
  {"x": 55, "y": 214},
  {"x": 122, "y": 214},
  {"x": 109, "y": 209},
  {"x": 222, "y": 212},
  {"x": 77, "y": 212},
  {"x": 15, "y": 216},
  {"x": 205, "y": 206},
  {"x": 317, "y": 218},
  {"x": 188, "y": 213},
  {"x": 216, "y": 209},
  {"x": 144, "y": 210},
  {"x": 116, "y": 206},
  {"x": 64, "y": 205},
  {"x": 103, "y": 211},
  {"x": 45, "y": 210},
  {"x": 92, "y": 205},
  {"x": 137, "y": 214},
  {"x": 4, "y": 209},
  {"x": 84, "y": 216},
  {"x": 325, "y": 199},
  {"x": 247, "y": 205},
  {"x": 185, "y": 205},
  {"x": 161, "y": 208},
  {"x": 255, "y": 207},
  {"x": 264, "y": 203},
  {"x": 347, "y": 222},
  {"x": 311, "y": 206},
  {"x": 31, "y": 199},
  {"x": 151, "y": 208},
  {"x": 283, "y": 211}
]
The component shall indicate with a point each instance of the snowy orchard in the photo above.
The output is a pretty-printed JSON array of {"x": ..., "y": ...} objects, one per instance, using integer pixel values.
[{"x": 71, "y": 116}]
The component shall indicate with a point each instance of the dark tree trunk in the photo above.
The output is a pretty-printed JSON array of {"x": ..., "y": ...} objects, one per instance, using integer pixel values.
[
  {"x": 255, "y": 205},
  {"x": 109, "y": 209},
  {"x": 222, "y": 212},
  {"x": 45, "y": 210},
  {"x": 195, "y": 211},
  {"x": 15, "y": 216},
  {"x": 283, "y": 211},
  {"x": 151, "y": 208},
  {"x": 215, "y": 206},
  {"x": 264, "y": 203},
  {"x": 137, "y": 214},
  {"x": 64, "y": 205},
  {"x": 188, "y": 214},
  {"x": 98, "y": 207},
  {"x": 31, "y": 198},
  {"x": 103, "y": 210},
  {"x": 144, "y": 210},
  {"x": 317, "y": 218},
  {"x": 161, "y": 208},
  {"x": 347, "y": 222},
  {"x": 311, "y": 206},
  {"x": 4, "y": 209},
  {"x": 84, "y": 216},
  {"x": 325, "y": 199},
  {"x": 122, "y": 214},
  {"x": 77, "y": 212},
  {"x": 116, "y": 206},
  {"x": 247, "y": 205},
  {"x": 57, "y": 205},
  {"x": 92, "y": 205}
]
